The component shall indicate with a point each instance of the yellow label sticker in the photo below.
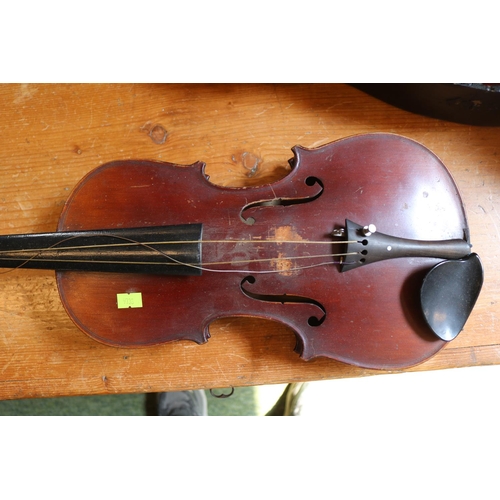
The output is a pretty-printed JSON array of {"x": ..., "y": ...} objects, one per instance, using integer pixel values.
[{"x": 127, "y": 300}]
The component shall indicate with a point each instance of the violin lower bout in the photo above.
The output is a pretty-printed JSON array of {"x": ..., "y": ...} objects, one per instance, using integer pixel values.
[{"x": 337, "y": 326}]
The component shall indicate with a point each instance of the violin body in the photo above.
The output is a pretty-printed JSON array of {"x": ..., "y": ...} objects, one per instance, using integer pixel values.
[{"x": 369, "y": 316}]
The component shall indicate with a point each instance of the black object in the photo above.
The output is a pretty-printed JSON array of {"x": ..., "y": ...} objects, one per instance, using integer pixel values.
[
  {"x": 466, "y": 103},
  {"x": 173, "y": 250},
  {"x": 366, "y": 245},
  {"x": 448, "y": 294}
]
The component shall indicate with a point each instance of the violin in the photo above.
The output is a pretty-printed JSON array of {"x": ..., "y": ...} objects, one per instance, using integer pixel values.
[{"x": 362, "y": 250}]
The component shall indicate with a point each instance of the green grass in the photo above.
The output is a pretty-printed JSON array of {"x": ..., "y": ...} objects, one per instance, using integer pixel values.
[{"x": 244, "y": 402}]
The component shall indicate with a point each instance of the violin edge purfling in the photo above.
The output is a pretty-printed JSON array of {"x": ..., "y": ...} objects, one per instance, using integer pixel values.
[{"x": 181, "y": 307}]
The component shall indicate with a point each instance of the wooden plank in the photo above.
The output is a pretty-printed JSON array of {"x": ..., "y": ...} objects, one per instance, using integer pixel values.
[{"x": 52, "y": 135}]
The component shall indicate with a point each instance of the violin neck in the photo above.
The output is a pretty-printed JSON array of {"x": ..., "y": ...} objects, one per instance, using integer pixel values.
[{"x": 171, "y": 250}]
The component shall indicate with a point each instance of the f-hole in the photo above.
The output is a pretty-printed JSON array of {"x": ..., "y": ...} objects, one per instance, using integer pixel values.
[
  {"x": 310, "y": 181},
  {"x": 284, "y": 299}
]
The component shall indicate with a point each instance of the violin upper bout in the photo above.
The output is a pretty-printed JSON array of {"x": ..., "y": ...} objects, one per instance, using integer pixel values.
[{"x": 312, "y": 157}]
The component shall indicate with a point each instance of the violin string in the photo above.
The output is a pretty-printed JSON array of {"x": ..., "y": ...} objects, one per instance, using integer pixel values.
[
  {"x": 190, "y": 242},
  {"x": 206, "y": 269},
  {"x": 177, "y": 262}
]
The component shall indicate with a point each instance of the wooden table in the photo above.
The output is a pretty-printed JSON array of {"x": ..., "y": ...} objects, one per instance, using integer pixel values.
[{"x": 52, "y": 135}]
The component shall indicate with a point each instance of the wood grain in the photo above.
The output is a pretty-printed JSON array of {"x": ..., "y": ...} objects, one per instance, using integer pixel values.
[{"x": 52, "y": 135}]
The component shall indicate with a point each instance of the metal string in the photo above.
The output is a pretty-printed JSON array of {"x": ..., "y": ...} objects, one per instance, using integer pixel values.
[
  {"x": 178, "y": 262},
  {"x": 137, "y": 243}
]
